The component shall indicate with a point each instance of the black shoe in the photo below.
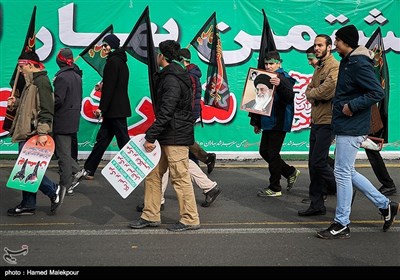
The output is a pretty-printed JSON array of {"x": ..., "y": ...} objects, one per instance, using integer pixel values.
[
  {"x": 386, "y": 191},
  {"x": 307, "y": 200},
  {"x": 335, "y": 231},
  {"x": 211, "y": 196},
  {"x": 140, "y": 207},
  {"x": 142, "y": 223},
  {"x": 58, "y": 199},
  {"x": 312, "y": 212},
  {"x": 20, "y": 211},
  {"x": 211, "y": 157},
  {"x": 182, "y": 227},
  {"x": 389, "y": 214}
]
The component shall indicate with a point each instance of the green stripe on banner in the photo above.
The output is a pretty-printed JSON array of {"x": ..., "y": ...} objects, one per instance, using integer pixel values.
[
  {"x": 123, "y": 172},
  {"x": 142, "y": 155},
  {"x": 133, "y": 164}
]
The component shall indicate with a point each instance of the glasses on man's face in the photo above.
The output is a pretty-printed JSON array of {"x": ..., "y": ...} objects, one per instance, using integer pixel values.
[{"x": 105, "y": 45}]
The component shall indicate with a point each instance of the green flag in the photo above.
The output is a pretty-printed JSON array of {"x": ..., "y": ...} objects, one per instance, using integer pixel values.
[
  {"x": 208, "y": 43},
  {"x": 375, "y": 44},
  {"x": 94, "y": 53}
]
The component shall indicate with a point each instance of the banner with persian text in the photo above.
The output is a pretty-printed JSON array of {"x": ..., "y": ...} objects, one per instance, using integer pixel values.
[{"x": 294, "y": 25}]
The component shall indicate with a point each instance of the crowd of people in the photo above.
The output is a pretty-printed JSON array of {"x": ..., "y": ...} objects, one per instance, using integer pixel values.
[{"x": 341, "y": 95}]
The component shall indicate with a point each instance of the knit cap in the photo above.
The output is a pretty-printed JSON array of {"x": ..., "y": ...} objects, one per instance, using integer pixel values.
[
  {"x": 112, "y": 41},
  {"x": 349, "y": 35}
]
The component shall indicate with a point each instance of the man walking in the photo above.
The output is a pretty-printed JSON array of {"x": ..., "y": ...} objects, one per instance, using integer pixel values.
[
  {"x": 114, "y": 107},
  {"x": 319, "y": 93},
  {"x": 173, "y": 128},
  {"x": 67, "y": 107},
  {"x": 357, "y": 90},
  {"x": 34, "y": 116}
]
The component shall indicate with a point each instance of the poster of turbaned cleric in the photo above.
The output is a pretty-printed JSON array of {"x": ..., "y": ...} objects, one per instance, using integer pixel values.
[{"x": 258, "y": 93}]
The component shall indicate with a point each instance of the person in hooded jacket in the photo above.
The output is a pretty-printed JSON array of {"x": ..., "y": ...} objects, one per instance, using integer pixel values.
[
  {"x": 173, "y": 129},
  {"x": 67, "y": 105},
  {"x": 275, "y": 127},
  {"x": 34, "y": 116},
  {"x": 357, "y": 89},
  {"x": 114, "y": 107}
]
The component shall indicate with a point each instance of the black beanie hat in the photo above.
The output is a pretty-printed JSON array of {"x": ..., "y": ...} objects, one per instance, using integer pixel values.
[
  {"x": 263, "y": 79},
  {"x": 112, "y": 40},
  {"x": 349, "y": 35}
]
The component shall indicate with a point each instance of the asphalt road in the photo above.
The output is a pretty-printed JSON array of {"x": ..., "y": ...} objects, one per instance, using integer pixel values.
[{"x": 239, "y": 229}]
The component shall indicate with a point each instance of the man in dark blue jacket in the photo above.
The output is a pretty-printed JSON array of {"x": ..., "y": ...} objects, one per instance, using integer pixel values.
[
  {"x": 357, "y": 90},
  {"x": 173, "y": 129},
  {"x": 114, "y": 107},
  {"x": 67, "y": 106}
]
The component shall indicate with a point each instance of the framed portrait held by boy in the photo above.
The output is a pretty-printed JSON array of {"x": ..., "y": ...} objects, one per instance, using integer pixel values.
[{"x": 258, "y": 93}]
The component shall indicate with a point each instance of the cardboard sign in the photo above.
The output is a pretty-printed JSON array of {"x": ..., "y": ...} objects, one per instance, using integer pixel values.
[
  {"x": 31, "y": 165},
  {"x": 131, "y": 165}
]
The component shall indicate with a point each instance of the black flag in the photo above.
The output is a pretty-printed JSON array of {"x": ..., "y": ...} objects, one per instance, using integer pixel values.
[
  {"x": 140, "y": 45},
  {"x": 267, "y": 42},
  {"x": 17, "y": 81}
]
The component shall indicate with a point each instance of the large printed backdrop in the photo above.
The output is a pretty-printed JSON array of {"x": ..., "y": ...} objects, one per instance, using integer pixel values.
[{"x": 294, "y": 25}]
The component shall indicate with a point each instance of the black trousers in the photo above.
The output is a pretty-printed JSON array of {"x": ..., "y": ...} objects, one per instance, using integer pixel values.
[
  {"x": 270, "y": 148},
  {"x": 379, "y": 167},
  {"x": 109, "y": 128},
  {"x": 321, "y": 173}
]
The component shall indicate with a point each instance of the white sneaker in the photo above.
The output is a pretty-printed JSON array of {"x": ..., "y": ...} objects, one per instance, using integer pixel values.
[{"x": 79, "y": 176}]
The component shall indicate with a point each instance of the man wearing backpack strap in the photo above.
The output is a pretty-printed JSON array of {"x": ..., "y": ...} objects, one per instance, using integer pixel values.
[{"x": 195, "y": 75}]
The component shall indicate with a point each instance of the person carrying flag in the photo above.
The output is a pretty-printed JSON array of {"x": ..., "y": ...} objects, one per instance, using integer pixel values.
[
  {"x": 35, "y": 117},
  {"x": 114, "y": 107}
]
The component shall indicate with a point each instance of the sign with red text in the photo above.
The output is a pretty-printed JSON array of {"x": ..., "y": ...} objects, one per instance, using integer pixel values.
[
  {"x": 31, "y": 165},
  {"x": 131, "y": 165}
]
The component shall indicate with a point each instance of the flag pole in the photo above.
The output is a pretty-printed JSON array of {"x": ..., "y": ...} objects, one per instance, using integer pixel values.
[{"x": 15, "y": 83}]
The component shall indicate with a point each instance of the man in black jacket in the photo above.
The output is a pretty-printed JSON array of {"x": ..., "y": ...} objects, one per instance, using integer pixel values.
[
  {"x": 114, "y": 107},
  {"x": 67, "y": 105},
  {"x": 173, "y": 129}
]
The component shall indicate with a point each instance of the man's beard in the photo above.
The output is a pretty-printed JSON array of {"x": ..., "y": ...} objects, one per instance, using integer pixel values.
[
  {"x": 261, "y": 102},
  {"x": 323, "y": 54}
]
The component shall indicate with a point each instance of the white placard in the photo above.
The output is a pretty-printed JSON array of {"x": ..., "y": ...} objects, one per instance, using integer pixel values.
[{"x": 131, "y": 165}]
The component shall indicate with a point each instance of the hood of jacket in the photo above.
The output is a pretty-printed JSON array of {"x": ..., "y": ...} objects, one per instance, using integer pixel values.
[
  {"x": 361, "y": 50},
  {"x": 194, "y": 70},
  {"x": 73, "y": 67},
  {"x": 118, "y": 53},
  {"x": 177, "y": 70}
]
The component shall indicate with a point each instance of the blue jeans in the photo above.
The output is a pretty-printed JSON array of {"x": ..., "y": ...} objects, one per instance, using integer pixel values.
[
  {"x": 346, "y": 177},
  {"x": 47, "y": 187}
]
